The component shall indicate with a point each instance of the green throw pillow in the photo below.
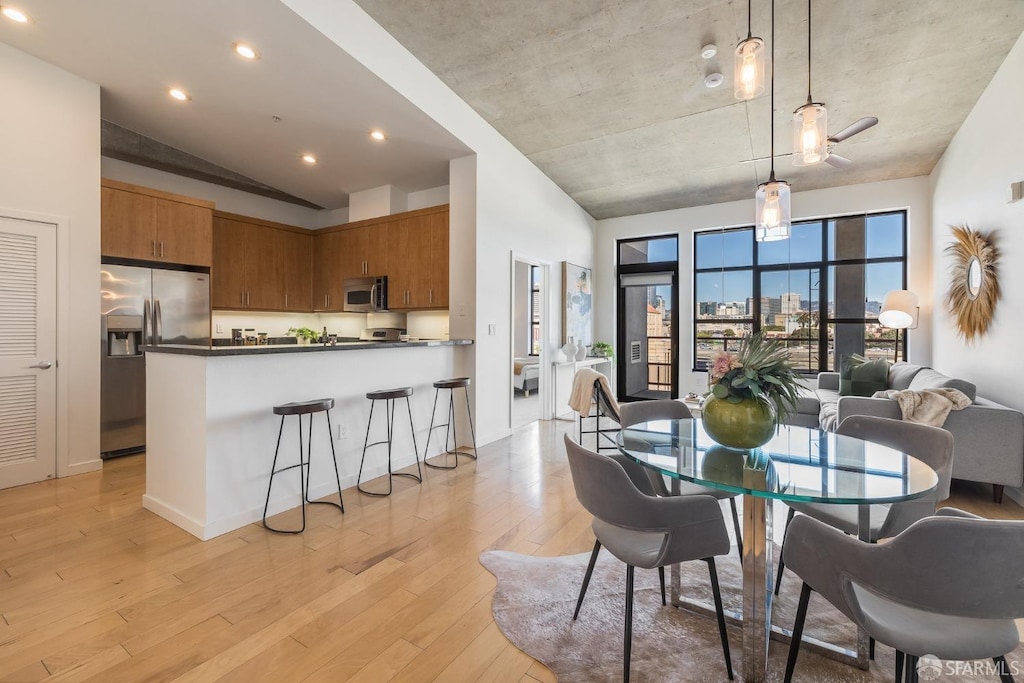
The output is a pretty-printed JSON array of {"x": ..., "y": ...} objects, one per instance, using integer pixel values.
[{"x": 861, "y": 377}]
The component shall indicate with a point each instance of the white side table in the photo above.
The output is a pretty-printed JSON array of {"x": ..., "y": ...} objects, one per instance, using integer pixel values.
[{"x": 605, "y": 366}]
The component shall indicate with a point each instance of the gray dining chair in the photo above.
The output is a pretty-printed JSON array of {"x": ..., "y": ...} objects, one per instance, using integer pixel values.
[
  {"x": 668, "y": 409},
  {"x": 931, "y": 445},
  {"x": 949, "y": 586},
  {"x": 646, "y": 531}
]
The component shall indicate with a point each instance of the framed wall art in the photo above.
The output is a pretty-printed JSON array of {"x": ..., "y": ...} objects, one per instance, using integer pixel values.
[{"x": 577, "y": 310}]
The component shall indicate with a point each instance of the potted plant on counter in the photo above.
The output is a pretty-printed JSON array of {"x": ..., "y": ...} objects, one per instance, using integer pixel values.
[{"x": 303, "y": 334}]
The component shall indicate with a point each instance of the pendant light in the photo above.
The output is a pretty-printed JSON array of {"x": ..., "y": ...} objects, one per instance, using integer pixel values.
[
  {"x": 772, "y": 198},
  {"x": 749, "y": 73},
  {"x": 810, "y": 122}
]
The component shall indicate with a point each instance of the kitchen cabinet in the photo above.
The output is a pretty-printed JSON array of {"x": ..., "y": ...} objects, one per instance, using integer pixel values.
[
  {"x": 346, "y": 252},
  {"x": 150, "y": 225},
  {"x": 259, "y": 265},
  {"x": 411, "y": 248},
  {"x": 418, "y": 266},
  {"x": 328, "y": 271}
]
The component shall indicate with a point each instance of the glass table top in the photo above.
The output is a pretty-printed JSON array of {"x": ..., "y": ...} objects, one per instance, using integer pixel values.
[{"x": 798, "y": 464}]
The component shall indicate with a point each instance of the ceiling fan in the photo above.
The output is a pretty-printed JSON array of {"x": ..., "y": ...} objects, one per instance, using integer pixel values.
[{"x": 833, "y": 159}]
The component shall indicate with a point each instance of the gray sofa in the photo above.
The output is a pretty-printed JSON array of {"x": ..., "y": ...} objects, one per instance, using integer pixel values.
[{"x": 988, "y": 438}]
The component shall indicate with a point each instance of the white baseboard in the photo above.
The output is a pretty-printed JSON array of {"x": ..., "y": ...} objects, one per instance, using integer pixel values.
[
  {"x": 82, "y": 467},
  {"x": 174, "y": 516}
]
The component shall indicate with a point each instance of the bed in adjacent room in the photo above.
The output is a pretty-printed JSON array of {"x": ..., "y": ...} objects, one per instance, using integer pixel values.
[{"x": 526, "y": 373}]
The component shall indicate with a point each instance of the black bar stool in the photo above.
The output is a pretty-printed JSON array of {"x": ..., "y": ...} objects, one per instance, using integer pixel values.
[
  {"x": 322, "y": 405},
  {"x": 451, "y": 385},
  {"x": 389, "y": 396}
]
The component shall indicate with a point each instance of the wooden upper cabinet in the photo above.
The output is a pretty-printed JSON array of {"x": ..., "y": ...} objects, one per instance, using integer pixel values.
[
  {"x": 351, "y": 254},
  {"x": 418, "y": 267},
  {"x": 151, "y": 225},
  {"x": 260, "y": 265},
  {"x": 376, "y": 250},
  {"x": 328, "y": 250},
  {"x": 298, "y": 273},
  {"x": 439, "y": 245},
  {"x": 227, "y": 277}
]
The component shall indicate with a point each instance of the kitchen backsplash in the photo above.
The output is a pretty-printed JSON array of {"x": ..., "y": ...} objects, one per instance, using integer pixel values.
[{"x": 422, "y": 324}]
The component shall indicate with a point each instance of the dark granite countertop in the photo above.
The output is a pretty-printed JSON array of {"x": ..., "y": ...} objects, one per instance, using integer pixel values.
[{"x": 217, "y": 351}]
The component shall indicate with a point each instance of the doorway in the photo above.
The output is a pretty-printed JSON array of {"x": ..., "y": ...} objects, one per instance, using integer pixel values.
[
  {"x": 648, "y": 315},
  {"x": 28, "y": 351},
  {"x": 528, "y": 330}
]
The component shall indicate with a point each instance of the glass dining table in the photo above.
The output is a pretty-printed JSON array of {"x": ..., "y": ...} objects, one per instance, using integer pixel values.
[{"x": 799, "y": 464}]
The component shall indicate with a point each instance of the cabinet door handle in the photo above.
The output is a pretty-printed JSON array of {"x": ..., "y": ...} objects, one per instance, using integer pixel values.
[
  {"x": 430, "y": 295},
  {"x": 247, "y": 298},
  {"x": 327, "y": 300},
  {"x": 161, "y": 249},
  {"x": 152, "y": 245},
  {"x": 242, "y": 297},
  {"x": 286, "y": 301}
]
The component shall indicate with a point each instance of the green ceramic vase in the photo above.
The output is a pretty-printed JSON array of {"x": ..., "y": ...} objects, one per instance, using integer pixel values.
[{"x": 747, "y": 424}]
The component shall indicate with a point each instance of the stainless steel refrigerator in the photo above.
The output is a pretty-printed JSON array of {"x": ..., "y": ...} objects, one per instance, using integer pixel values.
[{"x": 141, "y": 306}]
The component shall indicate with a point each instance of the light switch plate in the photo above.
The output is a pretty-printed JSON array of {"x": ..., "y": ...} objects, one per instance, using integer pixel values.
[
  {"x": 492, "y": 329},
  {"x": 220, "y": 328},
  {"x": 1016, "y": 191}
]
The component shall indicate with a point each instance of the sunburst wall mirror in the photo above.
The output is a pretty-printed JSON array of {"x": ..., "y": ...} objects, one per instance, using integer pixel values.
[{"x": 974, "y": 285}]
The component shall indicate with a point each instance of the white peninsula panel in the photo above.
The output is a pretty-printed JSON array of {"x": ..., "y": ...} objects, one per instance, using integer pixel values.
[{"x": 211, "y": 430}]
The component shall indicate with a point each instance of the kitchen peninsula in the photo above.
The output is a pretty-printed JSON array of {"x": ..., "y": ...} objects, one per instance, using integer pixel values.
[{"x": 211, "y": 430}]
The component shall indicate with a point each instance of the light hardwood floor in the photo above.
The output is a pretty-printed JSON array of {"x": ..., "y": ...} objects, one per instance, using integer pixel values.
[{"x": 94, "y": 588}]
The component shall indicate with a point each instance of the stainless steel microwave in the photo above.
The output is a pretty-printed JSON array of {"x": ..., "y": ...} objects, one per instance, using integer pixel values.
[{"x": 366, "y": 294}]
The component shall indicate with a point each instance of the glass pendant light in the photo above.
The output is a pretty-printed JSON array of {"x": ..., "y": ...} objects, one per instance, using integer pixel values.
[
  {"x": 772, "y": 200},
  {"x": 810, "y": 122},
  {"x": 749, "y": 73}
]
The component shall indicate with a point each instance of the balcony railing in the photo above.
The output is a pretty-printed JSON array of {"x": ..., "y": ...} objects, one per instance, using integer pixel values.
[{"x": 803, "y": 352}]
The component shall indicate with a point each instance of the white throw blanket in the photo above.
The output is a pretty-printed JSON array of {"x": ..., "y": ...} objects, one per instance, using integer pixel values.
[
  {"x": 583, "y": 391},
  {"x": 929, "y": 407}
]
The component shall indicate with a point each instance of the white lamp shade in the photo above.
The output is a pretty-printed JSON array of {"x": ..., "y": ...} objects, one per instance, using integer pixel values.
[
  {"x": 810, "y": 134},
  {"x": 748, "y": 80},
  {"x": 899, "y": 309},
  {"x": 773, "y": 211}
]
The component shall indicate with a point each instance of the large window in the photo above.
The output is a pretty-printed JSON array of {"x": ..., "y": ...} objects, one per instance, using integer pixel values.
[
  {"x": 819, "y": 291},
  {"x": 534, "y": 312}
]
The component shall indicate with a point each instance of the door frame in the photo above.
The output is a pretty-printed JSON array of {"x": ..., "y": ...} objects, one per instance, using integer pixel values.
[
  {"x": 63, "y": 467},
  {"x": 544, "y": 374}
]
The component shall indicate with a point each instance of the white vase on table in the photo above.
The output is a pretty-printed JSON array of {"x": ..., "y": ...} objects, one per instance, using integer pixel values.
[
  {"x": 581, "y": 352},
  {"x": 569, "y": 349}
]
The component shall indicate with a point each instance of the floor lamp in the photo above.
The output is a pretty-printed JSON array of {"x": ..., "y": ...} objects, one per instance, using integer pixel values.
[{"x": 900, "y": 311}]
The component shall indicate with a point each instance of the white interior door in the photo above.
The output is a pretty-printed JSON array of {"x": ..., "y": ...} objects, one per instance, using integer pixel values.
[{"x": 28, "y": 351}]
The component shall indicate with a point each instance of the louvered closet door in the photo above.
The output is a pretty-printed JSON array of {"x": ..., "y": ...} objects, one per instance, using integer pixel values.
[{"x": 28, "y": 335}]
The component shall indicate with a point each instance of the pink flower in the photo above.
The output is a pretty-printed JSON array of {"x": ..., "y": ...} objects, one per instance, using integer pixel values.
[{"x": 721, "y": 364}]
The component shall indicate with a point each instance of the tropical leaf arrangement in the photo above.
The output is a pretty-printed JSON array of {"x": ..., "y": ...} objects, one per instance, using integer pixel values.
[
  {"x": 759, "y": 370},
  {"x": 972, "y": 312}
]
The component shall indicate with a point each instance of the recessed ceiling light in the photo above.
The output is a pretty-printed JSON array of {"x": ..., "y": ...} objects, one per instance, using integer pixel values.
[
  {"x": 377, "y": 134},
  {"x": 246, "y": 50},
  {"x": 309, "y": 158},
  {"x": 15, "y": 14},
  {"x": 714, "y": 80},
  {"x": 179, "y": 94},
  {"x": 708, "y": 51}
]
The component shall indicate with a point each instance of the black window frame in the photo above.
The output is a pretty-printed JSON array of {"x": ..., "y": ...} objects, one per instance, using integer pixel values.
[
  {"x": 824, "y": 266},
  {"x": 533, "y": 308},
  {"x": 620, "y": 304}
]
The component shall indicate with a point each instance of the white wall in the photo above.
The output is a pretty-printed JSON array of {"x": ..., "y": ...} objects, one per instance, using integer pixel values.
[
  {"x": 969, "y": 185},
  {"x": 909, "y": 193},
  {"x": 50, "y": 165},
  {"x": 226, "y": 198},
  {"x": 435, "y": 196},
  {"x": 515, "y": 206}
]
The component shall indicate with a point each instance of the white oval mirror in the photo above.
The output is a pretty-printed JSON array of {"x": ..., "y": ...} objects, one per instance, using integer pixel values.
[{"x": 974, "y": 276}]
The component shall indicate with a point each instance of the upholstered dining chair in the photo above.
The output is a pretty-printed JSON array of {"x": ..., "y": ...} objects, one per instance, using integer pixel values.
[
  {"x": 646, "y": 531},
  {"x": 931, "y": 445},
  {"x": 949, "y": 586},
  {"x": 666, "y": 409}
]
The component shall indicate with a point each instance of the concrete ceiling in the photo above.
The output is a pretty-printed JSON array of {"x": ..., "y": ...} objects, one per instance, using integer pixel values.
[
  {"x": 327, "y": 102},
  {"x": 608, "y": 98}
]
